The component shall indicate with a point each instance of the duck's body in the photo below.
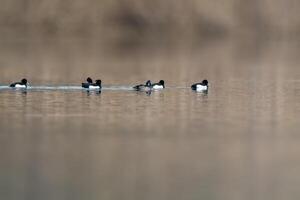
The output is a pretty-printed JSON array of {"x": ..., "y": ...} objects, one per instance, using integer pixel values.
[
  {"x": 89, "y": 81},
  {"x": 91, "y": 85},
  {"x": 96, "y": 85},
  {"x": 143, "y": 87},
  {"x": 203, "y": 86},
  {"x": 158, "y": 86},
  {"x": 22, "y": 84},
  {"x": 85, "y": 85}
]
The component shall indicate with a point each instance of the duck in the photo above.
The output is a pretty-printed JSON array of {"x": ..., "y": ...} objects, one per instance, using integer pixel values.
[
  {"x": 96, "y": 85},
  {"x": 89, "y": 82},
  {"x": 159, "y": 85},
  {"x": 203, "y": 86},
  {"x": 90, "y": 85},
  {"x": 143, "y": 87},
  {"x": 22, "y": 84}
]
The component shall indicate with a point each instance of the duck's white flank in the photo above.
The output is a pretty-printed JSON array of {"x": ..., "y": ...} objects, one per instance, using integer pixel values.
[
  {"x": 158, "y": 87},
  {"x": 201, "y": 87},
  {"x": 94, "y": 87},
  {"x": 20, "y": 86}
]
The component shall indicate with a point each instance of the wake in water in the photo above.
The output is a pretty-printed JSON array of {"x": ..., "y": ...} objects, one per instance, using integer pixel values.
[
  {"x": 42, "y": 87},
  {"x": 77, "y": 88},
  {"x": 89, "y": 85}
]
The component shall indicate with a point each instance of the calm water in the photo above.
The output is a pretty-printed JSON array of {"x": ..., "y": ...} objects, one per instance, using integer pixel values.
[{"x": 239, "y": 141}]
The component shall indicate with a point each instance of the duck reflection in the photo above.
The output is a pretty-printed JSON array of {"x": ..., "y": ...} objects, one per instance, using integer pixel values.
[{"x": 93, "y": 92}]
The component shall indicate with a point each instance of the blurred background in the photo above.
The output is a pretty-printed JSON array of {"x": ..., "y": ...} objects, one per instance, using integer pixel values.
[
  {"x": 238, "y": 141},
  {"x": 65, "y": 41}
]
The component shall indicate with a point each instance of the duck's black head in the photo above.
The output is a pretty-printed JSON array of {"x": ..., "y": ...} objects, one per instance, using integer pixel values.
[
  {"x": 98, "y": 82},
  {"x": 24, "y": 81},
  {"x": 148, "y": 83},
  {"x": 162, "y": 82},
  {"x": 89, "y": 80},
  {"x": 205, "y": 82}
]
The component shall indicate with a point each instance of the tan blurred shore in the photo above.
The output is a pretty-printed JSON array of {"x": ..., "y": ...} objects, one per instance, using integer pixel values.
[
  {"x": 132, "y": 22},
  {"x": 65, "y": 41}
]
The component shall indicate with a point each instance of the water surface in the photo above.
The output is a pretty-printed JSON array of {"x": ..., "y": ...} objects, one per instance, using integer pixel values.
[{"x": 238, "y": 141}]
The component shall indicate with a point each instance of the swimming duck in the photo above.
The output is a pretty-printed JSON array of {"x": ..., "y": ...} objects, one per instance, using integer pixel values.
[
  {"x": 203, "y": 86},
  {"x": 89, "y": 82},
  {"x": 96, "y": 85},
  {"x": 91, "y": 85},
  {"x": 159, "y": 85},
  {"x": 143, "y": 87},
  {"x": 22, "y": 84}
]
